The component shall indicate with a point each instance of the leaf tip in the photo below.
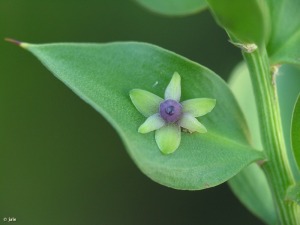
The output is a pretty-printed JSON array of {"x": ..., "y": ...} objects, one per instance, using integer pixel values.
[{"x": 16, "y": 42}]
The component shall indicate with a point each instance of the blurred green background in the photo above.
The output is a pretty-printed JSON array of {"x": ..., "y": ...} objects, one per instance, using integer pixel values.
[{"x": 61, "y": 163}]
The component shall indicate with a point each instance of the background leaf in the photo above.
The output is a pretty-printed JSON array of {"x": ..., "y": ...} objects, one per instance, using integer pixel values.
[
  {"x": 251, "y": 187},
  {"x": 174, "y": 7},
  {"x": 103, "y": 75},
  {"x": 246, "y": 21},
  {"x": 274, "y": 22},
  {"x": 295, "y": 135},
  {"x": 284, "y": 45}
]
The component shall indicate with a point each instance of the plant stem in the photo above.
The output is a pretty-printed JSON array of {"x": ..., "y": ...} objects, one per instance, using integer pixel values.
[{"x": 277, "y": 168}]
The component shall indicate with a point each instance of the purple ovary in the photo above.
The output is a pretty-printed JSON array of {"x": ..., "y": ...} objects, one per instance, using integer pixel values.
[{"x": 170, "y": 110}]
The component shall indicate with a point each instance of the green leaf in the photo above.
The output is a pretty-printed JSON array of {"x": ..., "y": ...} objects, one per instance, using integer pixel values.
[
  {"x": 103, "y": 75},
  {"x": 256, "y": 196},
  {"x": 246, "y": 21},
  {"x": 252, "y": 188},
  {"x": 174, "y": 7},
  {"x": 295, "y": 134},
  {"x": 284, "y": 45},
  {"x": 240, "y": 84},
  {"x": 251, "y": 185},
  {"x": 275, "y": 23}
]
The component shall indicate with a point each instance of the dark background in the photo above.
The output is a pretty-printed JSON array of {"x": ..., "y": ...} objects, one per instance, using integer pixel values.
[{"x": 61, "y": 163}]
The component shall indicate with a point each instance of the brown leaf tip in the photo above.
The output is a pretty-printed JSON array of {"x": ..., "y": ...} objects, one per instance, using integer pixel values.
[{"x": 16, "y": 42}]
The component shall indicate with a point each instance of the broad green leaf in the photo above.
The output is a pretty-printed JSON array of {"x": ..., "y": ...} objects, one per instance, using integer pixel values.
[
  {"x": 240, "y": 84},
  {"x": 251, "y": 185},
  {"x": 246, "y": 21},
  {"x": 295, "y": 134},
  {"x": 174, "y": 7},
  {"x": 275, "y": 23},
  {"x": 284, "y": 45},
  {"x": 103, "y": 75},
  {"x": 252, "y": 188},
  {"x": 257, "y": 196}
]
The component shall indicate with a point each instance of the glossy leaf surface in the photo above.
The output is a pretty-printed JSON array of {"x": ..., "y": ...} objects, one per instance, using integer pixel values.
[
  {"x": 103, "y": 75},
  {"x": 251, "y": 187},
  {"x": 246, "y": 21},
  {"x": 284, "y": 45},
  {"x": 174, "y": 7}
]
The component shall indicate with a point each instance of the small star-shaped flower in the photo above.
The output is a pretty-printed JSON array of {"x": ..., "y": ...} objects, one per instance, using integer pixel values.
[{"x": 167, "y": 116}]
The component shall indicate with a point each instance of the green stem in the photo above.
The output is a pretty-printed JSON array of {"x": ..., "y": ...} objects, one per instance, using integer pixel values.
[{"x": 278, "y": 167}]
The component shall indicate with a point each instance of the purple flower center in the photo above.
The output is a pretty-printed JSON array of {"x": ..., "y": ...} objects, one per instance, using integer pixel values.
[{"x": 170, "y": 110}]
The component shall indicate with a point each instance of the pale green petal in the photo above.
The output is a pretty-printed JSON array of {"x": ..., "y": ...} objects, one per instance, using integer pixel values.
[
  {"x": 189, "y": 122},
  {"x": 168, "y": 138},
  {"x": 198, "y": 106},
  {"x": 145, "y": 102},
  {"x": 152, "y": 123},
  {"x": 173, "y": 91}
]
